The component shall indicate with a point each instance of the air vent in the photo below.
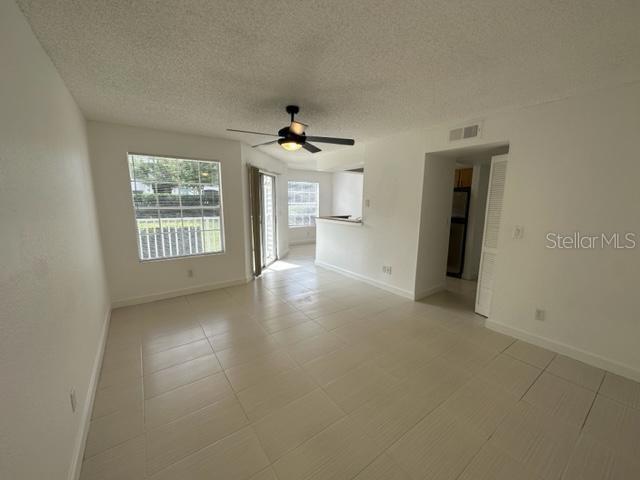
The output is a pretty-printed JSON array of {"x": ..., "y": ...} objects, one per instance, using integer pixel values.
[
  {"x": 464, "y": 133},
  {"x": 470, "y": 131},
  {"x": 456, "y": 134}
]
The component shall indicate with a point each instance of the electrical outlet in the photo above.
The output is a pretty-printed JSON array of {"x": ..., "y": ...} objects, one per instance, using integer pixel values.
[
  {"x": 540, "y": 315},
  {"x": 386, "y": 269},
  {"x": 189, "y": 273},
  {"x": 73, "y": 400},
  {"x": 367, "y": 203},
  {"x": 389, "y": 270}
]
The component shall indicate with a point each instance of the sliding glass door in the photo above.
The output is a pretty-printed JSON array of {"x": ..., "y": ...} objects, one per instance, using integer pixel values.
[{"x": 269, "y": 233}]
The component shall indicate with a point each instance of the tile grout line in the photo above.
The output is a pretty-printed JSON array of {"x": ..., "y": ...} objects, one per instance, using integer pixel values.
[
  {"x": 486, "y": 442},
  {"x": 593, "y": 402},
  {"x": 301, "y": 367},
  {"x": 584, "y": 422},
  {"x": 417, "y": 422},
  {"x": 557, "y": 355},
  {"x": 143, "y": 434},
  {"x": 490, "y": 436},
  {"x": 321, "y": 388},
  {"x": 181, "y": 362},
  {"x": 345, "y": 416},
  {"x": 147, "y": 475},
  {"x": 247, "y": 425},
  {"x": 532, "y": 384},
  {"x": 191, "y": 382}
]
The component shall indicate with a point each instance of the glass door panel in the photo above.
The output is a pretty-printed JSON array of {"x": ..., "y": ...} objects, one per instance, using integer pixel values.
[{"x": 269, "y": 240}]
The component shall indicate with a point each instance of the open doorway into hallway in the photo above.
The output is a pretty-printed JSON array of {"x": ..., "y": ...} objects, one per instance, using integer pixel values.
[{"x": 460, "y": 220}]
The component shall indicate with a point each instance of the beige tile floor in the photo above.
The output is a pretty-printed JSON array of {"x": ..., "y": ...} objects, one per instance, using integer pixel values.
[{"x": 307, "y": 374}]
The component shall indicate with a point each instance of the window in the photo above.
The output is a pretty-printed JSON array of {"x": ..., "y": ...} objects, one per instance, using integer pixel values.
[
  {"x": 303, "y": 203},
  {"x": 178, "y": 206}
]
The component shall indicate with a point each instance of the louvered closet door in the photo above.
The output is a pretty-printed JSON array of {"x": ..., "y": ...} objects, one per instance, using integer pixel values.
[{"x": 491, "y": 233}]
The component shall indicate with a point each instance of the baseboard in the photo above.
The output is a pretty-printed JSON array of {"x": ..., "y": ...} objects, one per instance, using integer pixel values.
[
  {"x": 76, "y": 462},
  {"x": 177, "y": 293},
  {"x": 303, "y": 242},
  {"x": 568, "y": 350},
  {"x": 428, "y": 292},
  {"x": 384, "y": 286}
]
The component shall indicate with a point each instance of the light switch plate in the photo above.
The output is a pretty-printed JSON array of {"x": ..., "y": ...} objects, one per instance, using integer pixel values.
[{"x": 518, "y": 232}]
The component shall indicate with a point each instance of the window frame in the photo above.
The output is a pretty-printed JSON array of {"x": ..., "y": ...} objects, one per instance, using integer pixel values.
[
  {"x": 222, "y": 250},
  {"x": 317, "y": 214}
]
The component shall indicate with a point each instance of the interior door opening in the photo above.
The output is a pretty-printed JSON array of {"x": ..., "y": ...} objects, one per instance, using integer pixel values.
[
  {"x": 455, "y": 262},
  {"x": 459, "y": 229}
]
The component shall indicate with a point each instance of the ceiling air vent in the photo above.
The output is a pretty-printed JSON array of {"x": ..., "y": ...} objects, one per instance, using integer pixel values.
[{"x": 463, "y": 133}]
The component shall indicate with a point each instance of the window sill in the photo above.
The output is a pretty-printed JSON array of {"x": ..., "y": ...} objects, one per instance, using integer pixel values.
[{"x": 180, "y": 257}]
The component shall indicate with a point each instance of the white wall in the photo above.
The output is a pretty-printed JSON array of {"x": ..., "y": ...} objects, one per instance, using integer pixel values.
[
  {"x": 573, "y": 165},
  {"x": 54, "y": 301},
  {"x": 347, "y": 193},
  {"x": 435, "y": 223},
  {"x": 389, "y": 235},
  {"x": 300, "y": 235},
  {"x": 130, "y": 280}
]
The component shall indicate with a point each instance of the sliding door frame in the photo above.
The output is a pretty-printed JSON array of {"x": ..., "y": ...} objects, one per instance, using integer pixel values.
[
  {"x": 255, "y": 213},
  {"x": 256, "y": 207},
  {"x": 274, "y": 216}
]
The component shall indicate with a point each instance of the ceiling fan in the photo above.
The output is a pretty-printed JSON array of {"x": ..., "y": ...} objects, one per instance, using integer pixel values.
[{"x": 293, "y": 137}]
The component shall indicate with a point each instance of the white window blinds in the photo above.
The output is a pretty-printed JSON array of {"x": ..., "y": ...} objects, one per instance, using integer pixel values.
[{"x": 303, "y": 203}]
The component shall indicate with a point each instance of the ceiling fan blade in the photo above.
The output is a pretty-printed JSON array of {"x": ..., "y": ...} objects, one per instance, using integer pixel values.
[
  {"x": 253, "y": 133},
  {"x": 310, "y": 147},
  {"x": 337, "y": 141},
  {"x": 265, "y": 143},
  {"x": 297, "y": 127}
]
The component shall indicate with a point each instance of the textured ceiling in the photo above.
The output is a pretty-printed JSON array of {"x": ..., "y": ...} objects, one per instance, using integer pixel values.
[{"x": 357, "y": 68}]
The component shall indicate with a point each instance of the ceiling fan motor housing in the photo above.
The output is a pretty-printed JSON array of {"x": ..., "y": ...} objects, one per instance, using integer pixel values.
[{"x": 289, "y": 136}]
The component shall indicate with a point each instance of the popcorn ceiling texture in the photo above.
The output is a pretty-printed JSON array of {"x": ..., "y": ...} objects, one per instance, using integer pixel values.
[{"x": 357, "y": 68}]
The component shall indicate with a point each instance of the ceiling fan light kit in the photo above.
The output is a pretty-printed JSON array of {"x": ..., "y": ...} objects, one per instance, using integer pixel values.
[
  {"x": 293, "y": 136},
  {"x": 289, "y": 145}
]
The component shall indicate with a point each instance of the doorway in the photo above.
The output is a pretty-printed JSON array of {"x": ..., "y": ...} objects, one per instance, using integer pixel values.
[
  {"x": 263, "y": 218},
  {"x": 459, "y": 229},
  {"x": 268, "y": 217},
  {"x": 454, "y": 265}
]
